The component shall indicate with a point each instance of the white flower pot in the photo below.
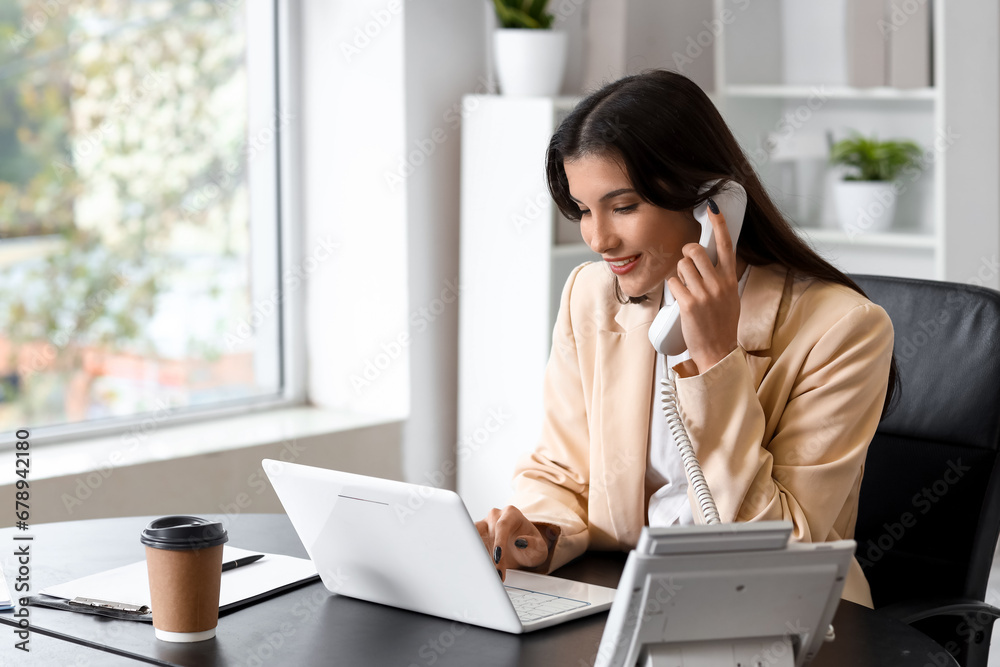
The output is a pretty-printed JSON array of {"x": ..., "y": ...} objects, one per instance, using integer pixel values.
[
  {"x": 529, "y": 63},
  {"x": 865, "y": 206}
]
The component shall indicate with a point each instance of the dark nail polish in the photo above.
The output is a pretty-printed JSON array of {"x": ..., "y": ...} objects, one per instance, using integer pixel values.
[
  {"x": 712, "y": 205},
  {"x": 496, "y": 555},
  {"x": 500, "y": 574},
  {"x": 521, "y": 543}
]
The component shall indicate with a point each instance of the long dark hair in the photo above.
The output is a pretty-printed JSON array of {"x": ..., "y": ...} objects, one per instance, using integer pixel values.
[{"x": 671, "y": 139}]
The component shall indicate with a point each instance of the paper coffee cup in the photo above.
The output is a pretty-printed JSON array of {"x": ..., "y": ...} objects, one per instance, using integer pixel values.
[{"x": 184, "y": 560}]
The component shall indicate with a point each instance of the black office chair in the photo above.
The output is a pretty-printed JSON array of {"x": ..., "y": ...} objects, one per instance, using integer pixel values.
[{"x": 929, "y": 509}]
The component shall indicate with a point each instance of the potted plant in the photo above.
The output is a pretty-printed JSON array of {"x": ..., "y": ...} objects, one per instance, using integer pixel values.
[
  {"x": 866, "y": 197},
  {"x": 530, "y": 57}
]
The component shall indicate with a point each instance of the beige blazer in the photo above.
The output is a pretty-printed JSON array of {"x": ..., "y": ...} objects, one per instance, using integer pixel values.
[{"x": 781, "y": 426}]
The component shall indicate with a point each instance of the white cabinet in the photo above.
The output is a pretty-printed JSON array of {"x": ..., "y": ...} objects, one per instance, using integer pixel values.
[{"x": 516, "y": 253}]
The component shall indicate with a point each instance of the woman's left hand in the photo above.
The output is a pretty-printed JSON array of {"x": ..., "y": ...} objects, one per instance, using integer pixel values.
[{"x": 708, "y": 297}]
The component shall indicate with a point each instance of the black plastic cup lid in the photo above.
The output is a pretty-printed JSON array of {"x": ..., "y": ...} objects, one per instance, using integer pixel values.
[{"x": 183, "y": 533}]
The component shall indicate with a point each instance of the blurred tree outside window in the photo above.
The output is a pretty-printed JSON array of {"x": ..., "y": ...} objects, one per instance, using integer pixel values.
[{"x": 125, "y": 266}]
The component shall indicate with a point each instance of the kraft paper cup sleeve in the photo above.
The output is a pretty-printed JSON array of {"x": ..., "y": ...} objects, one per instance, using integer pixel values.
[{"x": 184, "y": 561}]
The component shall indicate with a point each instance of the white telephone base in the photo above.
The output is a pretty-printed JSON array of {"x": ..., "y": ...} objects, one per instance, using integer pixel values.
[
  {"x": 757, "y": 652},
  {"x": 740, "y": 594}
]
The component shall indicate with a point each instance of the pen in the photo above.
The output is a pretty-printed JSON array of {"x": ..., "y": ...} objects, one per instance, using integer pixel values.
[{"x": 240, "y": 562}]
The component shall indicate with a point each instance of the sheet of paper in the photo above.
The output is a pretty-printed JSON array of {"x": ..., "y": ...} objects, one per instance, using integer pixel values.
[{"x": 129, "y": 584}]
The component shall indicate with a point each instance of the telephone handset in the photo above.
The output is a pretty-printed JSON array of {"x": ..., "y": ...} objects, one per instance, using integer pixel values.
[
  {"x": 665, "y": 335},
  {"x": 665, "y": 331}
]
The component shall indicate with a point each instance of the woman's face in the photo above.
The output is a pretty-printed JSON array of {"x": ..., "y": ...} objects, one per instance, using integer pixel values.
[{"x": 640, "y": 243}]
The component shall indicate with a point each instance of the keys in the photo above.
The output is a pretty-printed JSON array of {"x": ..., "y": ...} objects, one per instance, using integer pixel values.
[{"x": 531, "y": 606}]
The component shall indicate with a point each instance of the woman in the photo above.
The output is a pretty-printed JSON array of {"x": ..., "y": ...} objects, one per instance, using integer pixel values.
[{"x": 789, "y": 366}]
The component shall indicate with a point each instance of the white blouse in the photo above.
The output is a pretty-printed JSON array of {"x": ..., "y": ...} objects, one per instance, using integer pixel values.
[{"x": 669, "y": 504}]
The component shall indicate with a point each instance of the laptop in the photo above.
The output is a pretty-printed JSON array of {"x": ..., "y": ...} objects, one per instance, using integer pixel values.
[{"x": 415, "y": 547}]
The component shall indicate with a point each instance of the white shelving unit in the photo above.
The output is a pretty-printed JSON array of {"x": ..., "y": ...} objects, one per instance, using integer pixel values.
[
  {"x": 954, "y": 119},
  {"x": 874, "y": 240},
  {"x": 835, "y": 92},
  {"x": 516, "y": 253}
]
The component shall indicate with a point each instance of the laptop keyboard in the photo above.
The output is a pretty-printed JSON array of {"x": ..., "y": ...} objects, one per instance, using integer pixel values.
[{"x": 532, "y": 606}]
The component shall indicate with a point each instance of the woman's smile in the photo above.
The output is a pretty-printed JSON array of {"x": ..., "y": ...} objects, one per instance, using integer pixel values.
[{"x": 622, "y": 266}]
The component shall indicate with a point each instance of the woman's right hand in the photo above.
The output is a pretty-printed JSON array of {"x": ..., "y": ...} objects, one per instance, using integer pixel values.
[{"x": 512, "y": 540}]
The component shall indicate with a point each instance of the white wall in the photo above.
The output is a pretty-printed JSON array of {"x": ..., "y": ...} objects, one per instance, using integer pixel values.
[
  {"x": 225, "y": 482},
  {"x": 967, "y": 75},
  {"x": 352, "y": 130},
  {"x": 444, "y": 59}
]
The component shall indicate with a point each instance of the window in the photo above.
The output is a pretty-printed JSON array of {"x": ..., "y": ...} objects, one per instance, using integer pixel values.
[{"x": 140, "y": 248}]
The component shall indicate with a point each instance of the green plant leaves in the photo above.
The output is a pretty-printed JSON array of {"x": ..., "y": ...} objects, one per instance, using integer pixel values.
[
  {"x": 874, "y": 160},
  {"x": 528, "y": 14}
]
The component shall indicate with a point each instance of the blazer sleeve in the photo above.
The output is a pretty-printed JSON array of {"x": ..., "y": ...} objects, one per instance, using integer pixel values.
[
  {"x": 814, "y": 459},
  {"x": 551, "y": 484}
]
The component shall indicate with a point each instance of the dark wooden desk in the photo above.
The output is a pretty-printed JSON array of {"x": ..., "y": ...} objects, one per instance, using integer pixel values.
[{"x": 310, "y": 626}]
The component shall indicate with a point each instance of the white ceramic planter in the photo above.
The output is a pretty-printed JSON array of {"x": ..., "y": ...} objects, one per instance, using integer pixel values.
[
  {"x": 529, "y": 63},
  {"x": 865, "y": 206}
]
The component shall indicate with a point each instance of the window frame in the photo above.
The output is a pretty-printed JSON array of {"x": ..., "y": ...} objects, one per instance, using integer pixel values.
[{"x": 272, "y": 35}]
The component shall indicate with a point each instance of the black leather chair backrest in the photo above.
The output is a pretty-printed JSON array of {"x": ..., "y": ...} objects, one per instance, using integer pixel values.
[{"x": 929, "y": 509}]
